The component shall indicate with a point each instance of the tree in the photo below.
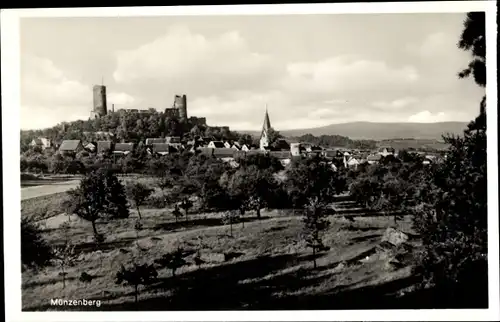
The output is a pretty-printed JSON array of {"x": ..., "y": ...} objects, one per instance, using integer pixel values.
[
  {"x": 138, "y": 193},
  {"x": 251, "y": 188},
  {"x": 230, "y": 217},
  {"x": 311, "y": 184},
  {"x": 173, "y": 260},
  {"x": 274, "y": 135},
  {"x": 450, "y": 207},
  {"x": 315, "y": 223},
  {"x": 136, "y": 275},
  {"x": 185, "y": 205},
  {"x": 99, "y": 193},
  {"x": 65, "y": 256},
  {"x": 473, "y": 40},
  {"x": 177, "y": 213},
  {"x": 89, "y": 199},
  {"x": 311, "y": 178},
  {"x": 35, "y": 251},
  {"x": 116, "y": 200}
]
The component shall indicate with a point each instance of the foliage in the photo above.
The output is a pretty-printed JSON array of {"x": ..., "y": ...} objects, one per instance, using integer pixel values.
[
  {"x": 250, "y": 188},
  {"x": 185, "y": 205},
  {"x": 173, "y": 260},
  {"x": 65, "y": 256},
  {"x": 177, "y": 213},
  {"x": 473, "y": 39},
  {"x": 273, "y": 135},
  {"x": 99, "y": 192},
  {"x": 311, "y": 178},
  {"x": 35, "y": 251},
  {"x": 312, "y": 185},
  {"x": 451, "y": 215},
  {"x": 315, "y": 222},
  {"x": 450, "y": 208},
  {"x": 336, "y": 141},
  {"x": 262, "y": 162},
  {"x": 229, "y": 218},
  {"x": 136, "y": 275},
  {"x": 138, "y": 193},
  {"x": 116, "y": 199}
]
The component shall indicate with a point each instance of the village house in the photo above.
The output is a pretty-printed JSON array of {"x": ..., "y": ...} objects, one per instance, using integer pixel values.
[
  {"x": 90, "y": 146},
  {"x": 70, "y": 146},
  {"x": 254, "y": 151},
  {"x": 373, "y": 158},
  {"x": 227, "y": 145},
  {"x": 351, "y": 162},
  {"x": 208, "y": 152},
  {"x": 225, "y": 154},
  {"x": 104, "y": 146},
  {"x": 151, "y": 141},
  {"x": 245, "y": 148},
  {"x": 123, "y": 148},
  {"x": 330, "y": 154},
  {"x": 280, "y": 145},
  {"x": 216, "y": 145},
  {"x": 385, "y": 151},
  {"x": 162, "y": 149},
  {"x": 239, "y": 154},
  {"x": 42, "y": 143},
  {"x": 284, "y": 157}
]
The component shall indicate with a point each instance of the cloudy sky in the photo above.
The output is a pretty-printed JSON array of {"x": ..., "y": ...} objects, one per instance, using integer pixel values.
[{"x": 310, "y": 70}]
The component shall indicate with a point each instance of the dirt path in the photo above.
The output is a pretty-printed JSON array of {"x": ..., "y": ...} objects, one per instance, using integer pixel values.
[{"x": 39, "y": 191}]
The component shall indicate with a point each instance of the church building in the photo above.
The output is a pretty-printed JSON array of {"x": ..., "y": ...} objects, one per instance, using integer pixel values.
[{"x": 264, "y": 136}]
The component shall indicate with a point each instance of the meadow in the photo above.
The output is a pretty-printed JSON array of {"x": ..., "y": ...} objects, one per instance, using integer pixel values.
[{"x": 251, "y": 264}]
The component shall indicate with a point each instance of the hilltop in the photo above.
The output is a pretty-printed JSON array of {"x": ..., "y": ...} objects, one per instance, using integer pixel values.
[{"x": 380, "y": 131}]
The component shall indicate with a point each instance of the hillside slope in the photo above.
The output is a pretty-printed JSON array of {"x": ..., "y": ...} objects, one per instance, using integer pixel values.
[{"x": 381, "y": 131}]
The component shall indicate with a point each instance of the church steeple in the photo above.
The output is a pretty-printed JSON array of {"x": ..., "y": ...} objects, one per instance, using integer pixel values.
[
  {"x": 267, "y": 122},
  {"x": 264, "y": 136}
]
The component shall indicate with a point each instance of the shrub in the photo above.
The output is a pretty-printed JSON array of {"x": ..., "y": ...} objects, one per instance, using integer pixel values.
[{"x": 35, "y": 252}]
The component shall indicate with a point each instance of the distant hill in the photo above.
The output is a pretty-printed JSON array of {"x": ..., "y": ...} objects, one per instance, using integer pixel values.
[{"x": 380, "y": 131}]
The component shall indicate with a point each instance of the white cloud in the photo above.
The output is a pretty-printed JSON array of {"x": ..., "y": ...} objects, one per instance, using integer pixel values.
[
  {"x": 42, "y": 83},
  {"x": 428, "y": 117},
  {"x": 183, "y": 54},
  {"x": 342, "y": 73},
  {"x": 48, "y": 96}
]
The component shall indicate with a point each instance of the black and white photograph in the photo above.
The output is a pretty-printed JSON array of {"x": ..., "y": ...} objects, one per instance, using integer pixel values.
[{"x": 247, "y": 160}]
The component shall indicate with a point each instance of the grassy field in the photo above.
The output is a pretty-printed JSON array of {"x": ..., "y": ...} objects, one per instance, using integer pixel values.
[
  {"x": 263, "y": 265},
  {"x": 35, "y": 209}
]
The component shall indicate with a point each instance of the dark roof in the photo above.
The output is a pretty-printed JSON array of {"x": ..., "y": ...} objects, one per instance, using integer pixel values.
[
  {"x": 330, "y": 153},
  {"x": 280, "y": 154},
  {"x": 224, "y": 152},
  {"x": 374, "y": 157},
  {"x": 103, "y": 146},
  {"x": 150, "y": 141},
  {"x": 38, "y": 141},
  {"x": 123, "y": 147},
  {"x": 172, "y": 139},
  {"x": 239, "y": 154},
  {"x": 163, "y": 147},
  {"x": 250, "y": 152},
  {"x": 206, "y": 151},
  {"x": 281, "y": 145},
  {"x": 218, "y": 144},
  {"x": 69, "y": 145}
]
